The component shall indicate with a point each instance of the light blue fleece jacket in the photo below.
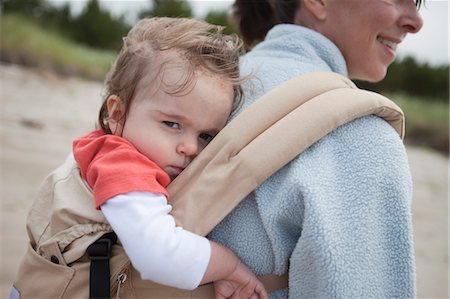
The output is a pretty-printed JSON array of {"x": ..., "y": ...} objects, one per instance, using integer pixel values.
[{"x": 337, "y": 218}]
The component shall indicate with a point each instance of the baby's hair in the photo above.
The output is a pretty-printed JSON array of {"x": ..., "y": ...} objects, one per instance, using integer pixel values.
[{"x": 203, "y": 46}]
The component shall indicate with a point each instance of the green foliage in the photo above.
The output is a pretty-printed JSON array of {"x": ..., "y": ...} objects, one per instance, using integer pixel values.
[
  {"x": 427, "y": 120},
  {"x": 33, "y": 8},
  {"x": 220, "y": 18},
  {"x": 408, "y": 76},
  {"x": 23, "y": 41},
  {"x": 168, "y": 8},
  {"x": 96, "y": 27},
  {"x": 38, "y": 10}
]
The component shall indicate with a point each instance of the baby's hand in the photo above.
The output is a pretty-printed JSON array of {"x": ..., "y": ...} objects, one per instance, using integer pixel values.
[{"x": 242, "y": 283}]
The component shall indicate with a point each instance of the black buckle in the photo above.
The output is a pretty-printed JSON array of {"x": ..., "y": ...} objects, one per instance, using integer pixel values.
[{"x": 100, "y": 249}]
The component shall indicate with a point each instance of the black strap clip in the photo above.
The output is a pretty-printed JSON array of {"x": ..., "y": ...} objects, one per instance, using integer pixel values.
[
  {"x": 99, "y": 253},
  {"x": 101, "y": 249}
]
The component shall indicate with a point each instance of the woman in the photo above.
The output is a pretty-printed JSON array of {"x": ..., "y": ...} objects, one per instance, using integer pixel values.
[{"x": 337, "y": 218}]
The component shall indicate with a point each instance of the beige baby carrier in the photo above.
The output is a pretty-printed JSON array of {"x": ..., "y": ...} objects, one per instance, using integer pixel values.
[{"x": 64, "y": 258}]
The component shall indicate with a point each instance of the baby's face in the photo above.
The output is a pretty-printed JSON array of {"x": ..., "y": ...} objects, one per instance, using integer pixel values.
[{"x": 172, "y": 129}]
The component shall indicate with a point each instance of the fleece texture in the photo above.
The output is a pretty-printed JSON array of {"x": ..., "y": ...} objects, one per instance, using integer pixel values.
[{"x": 336, "y": 218}]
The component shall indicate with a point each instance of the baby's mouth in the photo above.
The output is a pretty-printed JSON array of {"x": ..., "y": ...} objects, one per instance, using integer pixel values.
[{"x": 175, "y": 170}]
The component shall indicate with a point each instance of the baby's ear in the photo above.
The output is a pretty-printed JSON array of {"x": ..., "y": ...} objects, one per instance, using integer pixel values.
[{"x": 116, "y": 114}]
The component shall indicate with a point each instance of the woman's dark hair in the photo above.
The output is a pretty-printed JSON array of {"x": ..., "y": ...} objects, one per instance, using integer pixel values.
[{"x": 254, "y": 18}]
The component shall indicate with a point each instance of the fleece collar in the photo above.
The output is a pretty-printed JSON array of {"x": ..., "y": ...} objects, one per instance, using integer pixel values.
[{"x": 303, "y": 44}]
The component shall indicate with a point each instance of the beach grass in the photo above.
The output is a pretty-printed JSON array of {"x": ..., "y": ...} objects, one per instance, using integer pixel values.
[
  {"x": 427, "y": 120},
  {"x": 24, "y": 42}
]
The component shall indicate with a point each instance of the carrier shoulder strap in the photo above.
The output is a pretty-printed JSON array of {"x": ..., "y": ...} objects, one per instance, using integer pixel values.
[{"x": 266, "y": 136}]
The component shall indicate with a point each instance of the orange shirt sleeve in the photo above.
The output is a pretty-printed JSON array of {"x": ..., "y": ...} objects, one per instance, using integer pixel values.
[{"x": 113, "y": 166}]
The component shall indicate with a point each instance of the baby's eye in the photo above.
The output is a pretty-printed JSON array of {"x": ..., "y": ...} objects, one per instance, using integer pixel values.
[
  {"x": 206, "y": 137},
  {"x": 172, "y": 125}
]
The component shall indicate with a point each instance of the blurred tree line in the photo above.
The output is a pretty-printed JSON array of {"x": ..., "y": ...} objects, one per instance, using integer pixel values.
[
  {"x": 420, "y": 79},
  {"x": 97, "y": 27},
  {"x": 94, "y": 26}
]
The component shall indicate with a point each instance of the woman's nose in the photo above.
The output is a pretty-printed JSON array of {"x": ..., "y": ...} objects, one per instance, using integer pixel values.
[
  {"x": 188, "y": 147},
  {"x": 411, "y": 20}
]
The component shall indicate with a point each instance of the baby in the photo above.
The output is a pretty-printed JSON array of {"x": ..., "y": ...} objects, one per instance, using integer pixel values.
[{"x": 170, "y": 91}]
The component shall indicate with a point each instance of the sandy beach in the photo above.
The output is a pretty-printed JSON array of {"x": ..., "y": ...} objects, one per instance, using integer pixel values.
[{"x": 41, "y": 113}]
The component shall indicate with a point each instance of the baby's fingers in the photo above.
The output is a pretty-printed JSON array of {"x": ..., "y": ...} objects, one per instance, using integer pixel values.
[
  {"x": 261, "y": 291},
  {"x": 224, "y": 289},
  {"x": 251, "y": 291}
]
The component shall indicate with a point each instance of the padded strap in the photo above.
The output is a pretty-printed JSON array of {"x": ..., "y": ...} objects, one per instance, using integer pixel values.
[
  {"x": 99, "y": 253},
  {"x": 284, "y": 122}
]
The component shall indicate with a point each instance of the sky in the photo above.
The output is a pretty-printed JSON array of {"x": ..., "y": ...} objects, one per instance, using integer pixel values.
[{"x": 430, "y": 45}]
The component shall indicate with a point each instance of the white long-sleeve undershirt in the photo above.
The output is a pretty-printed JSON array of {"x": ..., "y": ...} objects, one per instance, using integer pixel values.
[{"x": 157, "y": 248}]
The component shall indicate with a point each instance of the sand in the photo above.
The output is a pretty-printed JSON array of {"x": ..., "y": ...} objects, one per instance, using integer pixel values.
[{"x": 41, "y": 113}]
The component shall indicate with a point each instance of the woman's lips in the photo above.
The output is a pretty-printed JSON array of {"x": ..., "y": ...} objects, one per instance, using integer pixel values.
[{"x": 388, "y": 43}]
